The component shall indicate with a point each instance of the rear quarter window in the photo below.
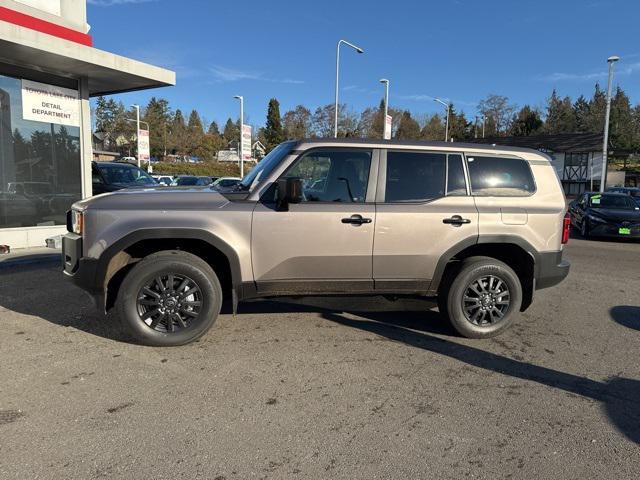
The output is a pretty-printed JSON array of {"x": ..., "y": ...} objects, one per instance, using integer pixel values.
[{"x": 500, "y": 177}]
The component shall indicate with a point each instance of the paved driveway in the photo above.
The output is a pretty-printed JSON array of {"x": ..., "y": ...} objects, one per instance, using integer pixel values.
[{"x": 351, "y": 388}]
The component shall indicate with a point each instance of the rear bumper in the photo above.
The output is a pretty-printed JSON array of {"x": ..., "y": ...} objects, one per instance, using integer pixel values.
[{"x": 551, "y": 269}]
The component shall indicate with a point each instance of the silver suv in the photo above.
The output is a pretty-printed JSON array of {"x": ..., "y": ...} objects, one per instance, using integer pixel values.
[{"x": 478, "y": 228}]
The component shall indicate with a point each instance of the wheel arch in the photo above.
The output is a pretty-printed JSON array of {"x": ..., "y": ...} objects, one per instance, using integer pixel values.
[
  {"x": 121, "y": 256},
  {"x": 513, "y": 250}
]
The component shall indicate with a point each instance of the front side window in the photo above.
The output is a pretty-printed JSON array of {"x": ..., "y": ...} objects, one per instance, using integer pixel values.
[
  {"x": 333, "y": 175},
  {"x": 500, "y": 177},
  {"x": 415, "y": 176}
]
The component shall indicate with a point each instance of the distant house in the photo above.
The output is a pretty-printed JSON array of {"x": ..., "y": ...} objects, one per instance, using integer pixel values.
[
  {"x": 100, "y": 148},
  {"x": 258, "y": 150},
  {"x": 576, "y": 157}
]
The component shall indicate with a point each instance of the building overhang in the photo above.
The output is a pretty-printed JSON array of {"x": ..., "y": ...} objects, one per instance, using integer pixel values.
[{"x": 107, "y": 73}]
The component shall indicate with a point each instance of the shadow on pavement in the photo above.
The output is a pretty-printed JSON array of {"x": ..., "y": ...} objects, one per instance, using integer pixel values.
[
  {"x": 619, "y": 396},
  {"x": 626, "y": 316}
]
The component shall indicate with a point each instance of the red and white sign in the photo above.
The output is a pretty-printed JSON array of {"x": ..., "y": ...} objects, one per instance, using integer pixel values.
[
  {"x": 144, "y": 148},
  {"x": 388, "y": 123},
  {"x": 246, "y": 142}
]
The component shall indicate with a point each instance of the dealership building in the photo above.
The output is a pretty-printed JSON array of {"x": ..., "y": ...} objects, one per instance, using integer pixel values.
[{"x": 49, "y": 70}]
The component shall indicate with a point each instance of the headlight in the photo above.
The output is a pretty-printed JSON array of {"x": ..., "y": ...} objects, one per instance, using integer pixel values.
[
  {"x": 593, "y": 218},
  {"x": 77, "y": 222}
]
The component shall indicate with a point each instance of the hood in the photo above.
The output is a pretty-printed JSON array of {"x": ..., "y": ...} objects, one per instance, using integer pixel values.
[
  {"x": 156, "y": 198},
  {"x": 617, "y": 215}
]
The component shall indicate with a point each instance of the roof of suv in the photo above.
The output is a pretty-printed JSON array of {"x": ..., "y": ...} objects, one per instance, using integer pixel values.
[{"x": 419, "y": 143}]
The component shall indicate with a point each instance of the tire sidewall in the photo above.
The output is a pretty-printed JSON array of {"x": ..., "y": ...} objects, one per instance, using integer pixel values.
[
  {"x": 459, "y": 286},
  {"x": 143, "y": 273}
]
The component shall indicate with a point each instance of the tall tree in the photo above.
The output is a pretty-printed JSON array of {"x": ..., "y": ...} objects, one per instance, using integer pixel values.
[
  {"x": 581, "y": 112},
  {"x": 560, "y": 115},
  {"x": 214, "y": 129},
  {"x": 434, "y": 128},
  {"x": 178, "y": 137},
  {"x": 459, "y": 127},
  {"x": 597, "y": 108},
  {"x": 273, "y": 132},
  {"x": 158, "y": 115},
  {"x": 499, "y": 113},
  {"x": 408, "y": 128},
  {"x": 297, "y": 123},
  {"x": 622, "y": 131},
  {"x": 231, "y": 131},
  {"x": 527, "y": 122}
]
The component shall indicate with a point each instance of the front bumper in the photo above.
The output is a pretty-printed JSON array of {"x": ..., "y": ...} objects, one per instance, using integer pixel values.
[
  {"x": 81, "y": 271},
  {"x": 613, "y": 230},
  {"x": 551, "y": 269}
]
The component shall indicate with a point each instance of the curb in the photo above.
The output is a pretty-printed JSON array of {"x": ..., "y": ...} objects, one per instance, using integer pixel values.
[{"x": 43, "y": 259}]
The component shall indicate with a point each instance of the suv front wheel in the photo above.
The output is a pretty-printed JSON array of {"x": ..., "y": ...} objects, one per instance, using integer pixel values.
[
  {"x": 482, "y": 298},
  {"x": 169, "y": 298}
]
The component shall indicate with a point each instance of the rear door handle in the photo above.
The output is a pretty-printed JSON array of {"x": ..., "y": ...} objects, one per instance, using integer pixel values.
[
  {"x": 456, "y": 221},
  {"x": 356, "y": 220}
]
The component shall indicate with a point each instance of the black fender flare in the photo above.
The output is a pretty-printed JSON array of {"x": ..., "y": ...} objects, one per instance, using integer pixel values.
[{"x": 166, "y": 233}]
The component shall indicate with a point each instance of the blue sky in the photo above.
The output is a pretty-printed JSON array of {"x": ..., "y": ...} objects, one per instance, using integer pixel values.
[{"x": 456, "y": 49}]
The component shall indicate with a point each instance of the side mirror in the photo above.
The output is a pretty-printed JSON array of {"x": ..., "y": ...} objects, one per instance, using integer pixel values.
[{"x": 289, "y": 191}]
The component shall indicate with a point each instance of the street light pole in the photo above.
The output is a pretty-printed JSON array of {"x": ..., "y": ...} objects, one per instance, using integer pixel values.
[
  {"x": 335, "y": 113},
  {"x": 448, "y": 107},
  {"x": 605, "y": 142},
  {"x": 241, "y": 98},
  {"x": 386, "y": 106},
  {"x": 137, "y": 107}
]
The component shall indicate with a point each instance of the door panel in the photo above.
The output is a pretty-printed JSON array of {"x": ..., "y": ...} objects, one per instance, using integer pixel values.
[
  {"x": 324, "y": 243},
  {"x": 311, "y": 242},
  {"x": 410, "y": 239}
]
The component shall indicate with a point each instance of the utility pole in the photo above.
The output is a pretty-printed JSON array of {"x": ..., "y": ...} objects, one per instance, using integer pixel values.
[
  {"x": 386, "y": 107},
  {"x": 137, "y": 107},
  {"x": 335, "y": 113},
  {"x": 605, "y": 142},
  {"x": 241, "y": 98}
]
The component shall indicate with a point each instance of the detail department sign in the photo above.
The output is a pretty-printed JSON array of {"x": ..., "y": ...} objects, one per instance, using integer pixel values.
[{"x": 50, "y": 104}]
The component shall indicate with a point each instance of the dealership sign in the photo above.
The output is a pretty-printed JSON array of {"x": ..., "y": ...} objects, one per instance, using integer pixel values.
[
  {"x": 246, "y": 142},
  {"x": 50, "y": 104},
  {"x": 388, "y": 123},
  {"x": 143, "y": 146}
]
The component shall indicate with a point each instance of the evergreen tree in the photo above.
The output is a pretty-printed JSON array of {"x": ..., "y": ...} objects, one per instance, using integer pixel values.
[
  {"x": 560, "y": 115},
  {"x": 274, "y": 133},
  {"x": 408, "y": 128},
  {"x": 597, "y": 108},
  {"x": 231, "y": 131},
  {"x": 195, "y": 124},
  {"x": 158, "y": 114},
  {"x": 527, "y": 122},
  {"x": 581, "y": 112},
  {"x": 621, "y": 121},
  {"x": 459, "y": 128},
  {"x": 178, "y": 138},
  {"x": 214, "y": 129}
]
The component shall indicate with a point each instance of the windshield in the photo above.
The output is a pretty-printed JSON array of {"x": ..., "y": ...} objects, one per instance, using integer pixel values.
[
  {"x": 612, "y": 201},
  {"x": 266, "y": 165},
  {"x": 126, "y": 175}
]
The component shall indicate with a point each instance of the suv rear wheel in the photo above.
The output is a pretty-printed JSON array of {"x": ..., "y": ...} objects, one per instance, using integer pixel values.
[
  {"x": 169, "y": 298},
  {"x": 482, "y": 298}
]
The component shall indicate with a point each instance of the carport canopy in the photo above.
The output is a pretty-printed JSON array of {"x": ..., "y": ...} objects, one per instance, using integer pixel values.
[{"x": 107, "y": 73}]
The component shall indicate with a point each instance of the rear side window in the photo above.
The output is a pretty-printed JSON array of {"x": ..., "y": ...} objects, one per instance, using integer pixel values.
[
  {"x": 415, "y": 176},
  {"x": 500, "y": 177}
]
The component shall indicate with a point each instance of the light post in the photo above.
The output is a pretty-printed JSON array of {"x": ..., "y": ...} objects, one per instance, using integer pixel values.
[
  {"x": 335, "y": 113},
  {"x": 605, "y": 142},
  {"x": 448, "y": 107},
  {"x": 241, "y": 98},
  {"x": 386, "y": 107},
  {"x": 137, "y": 107}
]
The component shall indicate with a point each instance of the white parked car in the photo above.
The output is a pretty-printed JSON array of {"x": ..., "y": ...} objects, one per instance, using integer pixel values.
[{"x": 226, "y": 182}]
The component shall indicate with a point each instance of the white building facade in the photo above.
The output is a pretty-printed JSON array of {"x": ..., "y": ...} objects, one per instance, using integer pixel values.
[{"x": 49, "y": 70}]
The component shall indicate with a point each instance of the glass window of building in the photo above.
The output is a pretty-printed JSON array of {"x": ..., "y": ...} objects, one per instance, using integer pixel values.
[{"x": 39, "y": 164}]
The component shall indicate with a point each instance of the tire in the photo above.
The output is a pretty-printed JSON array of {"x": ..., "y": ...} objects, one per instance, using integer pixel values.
[
  {"x": 178, "y": 295},
  {"x": 498, "y": 316},
  {"x": 584, "y": 229}
]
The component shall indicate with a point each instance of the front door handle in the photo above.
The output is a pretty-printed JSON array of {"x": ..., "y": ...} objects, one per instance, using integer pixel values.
[
  {"x": 356, "y": 220},
  {"x": 456, "y": 221}
]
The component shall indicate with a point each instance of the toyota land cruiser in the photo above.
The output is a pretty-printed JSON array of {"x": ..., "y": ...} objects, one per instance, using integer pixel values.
[{"x": 477, "y": 228}]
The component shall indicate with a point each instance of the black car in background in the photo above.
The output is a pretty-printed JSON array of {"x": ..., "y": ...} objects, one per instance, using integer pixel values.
[
  {"x": 112, "y": 176},
  {"x": 606, "y": 215},
  {"x": 634, "y": 192}
]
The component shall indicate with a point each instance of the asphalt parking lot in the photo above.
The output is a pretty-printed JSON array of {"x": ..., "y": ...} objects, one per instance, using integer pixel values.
[{"x": 332, "y": 388}]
